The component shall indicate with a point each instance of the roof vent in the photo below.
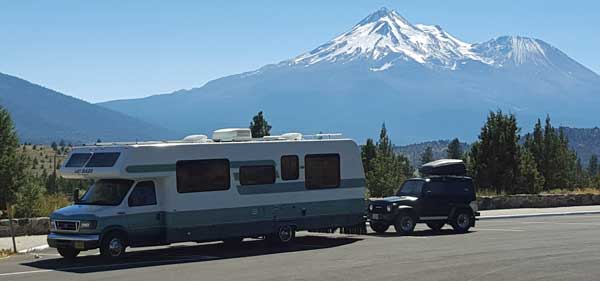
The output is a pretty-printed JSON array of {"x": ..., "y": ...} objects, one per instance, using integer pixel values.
[
  {"x": 232, "y": 134},
  {"x": 292, "y": 136},
  {"x": 195, "y": 138}
]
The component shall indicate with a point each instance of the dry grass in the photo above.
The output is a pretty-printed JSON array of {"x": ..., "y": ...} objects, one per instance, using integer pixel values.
[
  {"x": 5, "y": 253},
  {"x": 587, "y": 190}
]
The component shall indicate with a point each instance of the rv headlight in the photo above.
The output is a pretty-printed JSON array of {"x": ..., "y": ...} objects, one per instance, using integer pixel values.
[
  {"x": 371, "y": 207},
  {"x": 52, "y": 225},
  {"x": 87, "y": 225},
  {"x": 389, "y": 208}
]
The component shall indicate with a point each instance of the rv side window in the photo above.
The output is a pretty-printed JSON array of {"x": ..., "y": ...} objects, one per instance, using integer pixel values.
[
  {"x": 289, "y": 167},
  {"x": 143, "y": 194},
  {"x": 322, "y": 170},
  {"x": 253, "y": 175},
  {"x": 202, "y": 175}
]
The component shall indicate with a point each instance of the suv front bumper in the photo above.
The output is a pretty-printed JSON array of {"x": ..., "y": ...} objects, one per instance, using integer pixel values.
[
  {"x": 76, "y": 241},
  {"x": 388, "y": 217}
]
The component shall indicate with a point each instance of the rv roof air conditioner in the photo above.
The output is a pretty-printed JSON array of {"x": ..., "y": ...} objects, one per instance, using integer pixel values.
[
  {"x": 232, "y": 134},
  {"x": 196, "y": 138}
]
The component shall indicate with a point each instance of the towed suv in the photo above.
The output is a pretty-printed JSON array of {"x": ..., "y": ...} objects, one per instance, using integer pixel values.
[{"x": 435, "y": 200}]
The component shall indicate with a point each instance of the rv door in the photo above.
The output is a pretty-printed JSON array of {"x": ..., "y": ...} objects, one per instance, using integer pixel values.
[{"x": 145, "y": 220}]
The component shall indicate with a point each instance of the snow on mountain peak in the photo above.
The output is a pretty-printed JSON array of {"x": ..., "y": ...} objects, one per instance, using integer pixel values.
[
  {"x": 514, "y": 49},
  {"x": 386, "y": 36}
]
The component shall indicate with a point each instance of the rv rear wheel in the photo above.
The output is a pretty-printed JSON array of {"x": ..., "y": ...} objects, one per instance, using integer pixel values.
[
  {"x": 68, "y": 253},
  {"x": 113, "y": 245},
  {"x": 284, "y": 235},
  {"x": 379, "y": 227}
]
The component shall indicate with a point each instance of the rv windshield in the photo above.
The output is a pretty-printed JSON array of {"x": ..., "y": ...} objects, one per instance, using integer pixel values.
[
  {"x": 106, "y": 192},
  {"x": 411, "y": 188}
]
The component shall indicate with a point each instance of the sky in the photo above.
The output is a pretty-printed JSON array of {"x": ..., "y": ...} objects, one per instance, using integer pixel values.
[{"x": 106, "y": 50}]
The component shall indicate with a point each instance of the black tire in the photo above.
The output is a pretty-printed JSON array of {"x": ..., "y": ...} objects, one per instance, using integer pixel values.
[
  {"x": 285, "y": 235},
  {"x": 461, "y": 222},
  {"x": 404, "y": 223},
  {"x": 68, "y": 253},
  {"x": 435, "y": 225},
  {"x": 113, "y": 245},
  {"x": 379, "y": 227}
]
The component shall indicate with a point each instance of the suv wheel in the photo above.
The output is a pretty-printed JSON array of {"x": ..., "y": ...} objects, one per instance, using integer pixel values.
[
  {"x": 462, "y": 221},
  {"x": 405, "y": 223},
  {"x": 379, "y": 227},
  {"x": 68, "y": 253},
  {"x": 436, "y": 225}
]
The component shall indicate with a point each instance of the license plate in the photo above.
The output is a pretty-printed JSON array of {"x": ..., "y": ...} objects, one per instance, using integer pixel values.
[
  {"x": 79, "y": 245},
  {"x": 377, "y": 216}
]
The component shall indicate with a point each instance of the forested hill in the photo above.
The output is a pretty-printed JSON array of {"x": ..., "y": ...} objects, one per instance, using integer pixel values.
[{"x": 585, "y": 141}]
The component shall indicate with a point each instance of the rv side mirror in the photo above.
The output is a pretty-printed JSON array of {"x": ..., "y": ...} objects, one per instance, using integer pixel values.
[{"x": 76, "y": 195}]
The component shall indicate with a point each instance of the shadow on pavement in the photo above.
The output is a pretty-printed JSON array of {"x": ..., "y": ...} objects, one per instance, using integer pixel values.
[
  {"x": 187, "y": 254},
  {"x": 421, "y": 233}
]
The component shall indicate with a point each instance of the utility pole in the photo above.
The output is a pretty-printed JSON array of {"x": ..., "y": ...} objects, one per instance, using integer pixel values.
[{"x": 12, "y": 228}]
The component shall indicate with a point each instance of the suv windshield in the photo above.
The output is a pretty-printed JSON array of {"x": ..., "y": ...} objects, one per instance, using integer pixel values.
[
  {"x": 106, "y": 192},
  {"x": 411, "y": 188}
]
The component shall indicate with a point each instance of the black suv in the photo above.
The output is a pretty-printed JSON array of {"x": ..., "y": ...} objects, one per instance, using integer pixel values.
[{"x": 434, "y": 200}]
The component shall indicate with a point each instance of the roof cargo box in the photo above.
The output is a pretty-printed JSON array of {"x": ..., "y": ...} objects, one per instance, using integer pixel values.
[{"x": 444, "y": 167}]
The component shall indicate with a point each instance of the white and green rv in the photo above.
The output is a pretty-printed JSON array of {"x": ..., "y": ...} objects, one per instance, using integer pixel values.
[{"x": 226, "y": 188}]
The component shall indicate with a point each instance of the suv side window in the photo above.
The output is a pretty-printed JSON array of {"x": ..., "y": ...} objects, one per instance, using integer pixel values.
[{"x": 143, "y": 194}]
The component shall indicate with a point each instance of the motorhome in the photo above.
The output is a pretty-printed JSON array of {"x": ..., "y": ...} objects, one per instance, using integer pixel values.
[{"x": 225, "y": 188}]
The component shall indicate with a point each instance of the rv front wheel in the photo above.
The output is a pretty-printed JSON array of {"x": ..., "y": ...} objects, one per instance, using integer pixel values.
[
  {"x": 68, "y": 253},
  {"x": 113, "y": 245}
]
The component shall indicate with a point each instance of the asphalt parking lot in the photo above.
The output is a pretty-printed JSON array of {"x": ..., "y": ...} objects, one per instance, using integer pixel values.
[{"x": 542, "y": 248}]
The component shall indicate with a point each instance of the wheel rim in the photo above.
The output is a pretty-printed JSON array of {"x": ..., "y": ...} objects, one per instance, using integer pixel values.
[
  {"x": 406, "y": 223},
  {"x": 115, "y": 247},
  {"x": 463, "y": 220},
  {"x": 285, "y": 233}
]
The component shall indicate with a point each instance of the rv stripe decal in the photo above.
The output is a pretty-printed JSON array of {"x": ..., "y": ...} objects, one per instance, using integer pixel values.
[
  {"x": 294, "y": 186},
  {"x": 237, "y": 164},
  {"x": 150, "y": 168}
]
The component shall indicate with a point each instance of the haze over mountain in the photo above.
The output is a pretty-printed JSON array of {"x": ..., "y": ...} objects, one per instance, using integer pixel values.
[
  {"x": 42, "y": 115},
  {"x": 422, "y": 81}
]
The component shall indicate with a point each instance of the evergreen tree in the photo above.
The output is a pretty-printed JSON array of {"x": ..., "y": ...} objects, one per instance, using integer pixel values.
[
  {"x": 62, "y": 143},
  {"x": 368, "y": 153},
  {"x": 29, "y": 198},
  {"x": 455, "y": 149},
  {"x": 12, "y": 164},
  {"x": 593, "y": 165},
  {"x": 427, "y": 155},
  {"x": 259, "y": 126},
  {"x": 387, "y": 170},
  {"x": 54, "y": 146},
  {"x": 495, "y": 156},
  {"x": 529, "y": 179}
]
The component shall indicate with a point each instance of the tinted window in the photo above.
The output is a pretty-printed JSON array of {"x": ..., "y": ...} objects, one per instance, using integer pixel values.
[
  {"x": 411, "y": 188},
  {"x": 290, "y": 169},
  {"x": 202, "y": 175},
  {"x": 437, "y": 188},
  {"x": 78, "y": 159},
  {"x": 143, "y": 194},
  {"x": 322, "y": 170},
  {"x": 103, "y": 159},
  {"x": 253, "y": 175}
]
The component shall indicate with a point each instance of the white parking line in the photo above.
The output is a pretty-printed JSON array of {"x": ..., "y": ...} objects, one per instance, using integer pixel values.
[
  {"x": 499, "y": 229},
  {"x": 196, "y": 258}
]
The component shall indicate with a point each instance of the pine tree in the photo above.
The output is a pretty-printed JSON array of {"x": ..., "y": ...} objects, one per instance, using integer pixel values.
[
  {"x": 387, "y": 170},
  {"x": 259, "y": 126},
  {"x": 593, "y": 165},
  {"x": 12, "y": 164},
  {"x": 455, "y": 149},
  {"x": 368, "y": 153},
  {"x": 529, "y": 179},
  {"x": 29, "y": 199},
  {"x": 427, "y": 155},
  {"x": 495, "y": 156}
]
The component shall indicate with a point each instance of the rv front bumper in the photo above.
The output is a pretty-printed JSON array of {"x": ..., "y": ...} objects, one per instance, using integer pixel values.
[{"x": 77, "y": 241}]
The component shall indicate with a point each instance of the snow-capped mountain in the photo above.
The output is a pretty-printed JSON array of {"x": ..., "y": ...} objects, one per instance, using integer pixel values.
[
  {"x": 386, "y": 36},
  {"x": 422, "y": 81}
]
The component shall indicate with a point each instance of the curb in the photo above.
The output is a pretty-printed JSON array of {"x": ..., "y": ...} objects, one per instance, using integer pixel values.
[
  {"x": 34, "y": 249},
  {"x": 538, "y": 215}
]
